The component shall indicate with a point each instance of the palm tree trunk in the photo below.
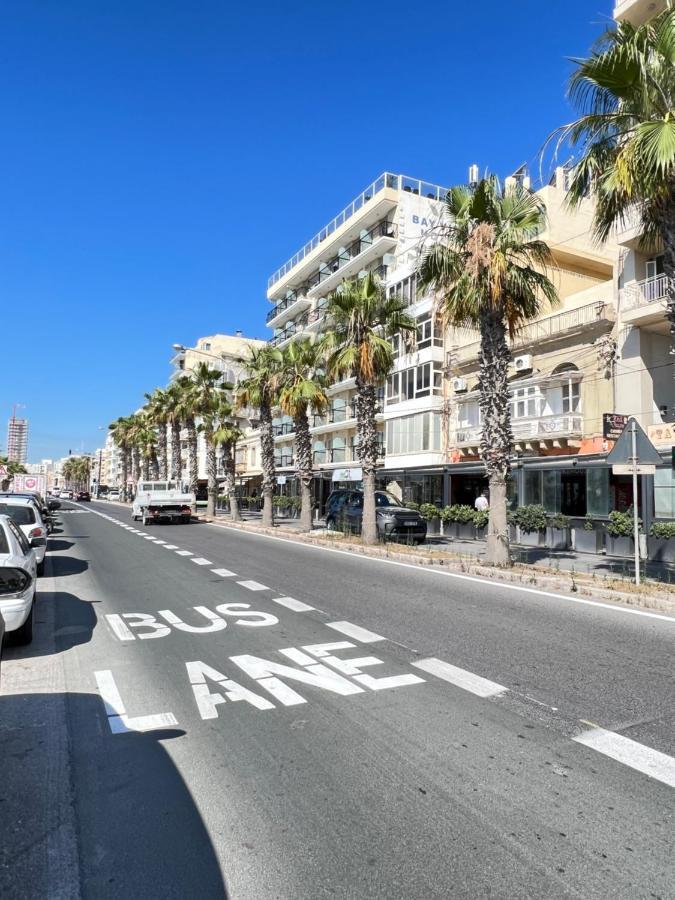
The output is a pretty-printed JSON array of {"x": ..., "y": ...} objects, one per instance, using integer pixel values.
[
  {"x": 211, "y": 474},
  {"x": 176, "y": 461},
  {"x": 366, "y": 429},
  {"x": 135, "y": 465},
  {"x": 303, "y": 458},
  {"x": 668, "y": 238},
  {"x": 230, "y": 490},
  {"x": 267, "y": 461},
  {"x": 145, "y": 467},
  {"x": 496, "y": 436},
  {"x": 154, "y": 465},
  {"x": 193, "y": 466},
  {"x": 125, "y": 474},
  {"x": 163, "y": 453}
]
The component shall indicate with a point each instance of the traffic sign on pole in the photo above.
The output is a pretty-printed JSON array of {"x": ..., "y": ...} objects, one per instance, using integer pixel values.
[
  {"x": 624, "y": 451},
  {"x": 628, "y": 469}
]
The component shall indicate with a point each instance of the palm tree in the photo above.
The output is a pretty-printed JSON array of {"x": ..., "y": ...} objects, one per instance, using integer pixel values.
[
  {"x": 120, "y": 430},
  {"x": 259, "y": 391},
  {"x": 185, "y": 410},
  {"x": 173, "y": 402},
  {"x": 359, "y": 322},
  {"x": 13, "y": 468},
  {"x": 225, "y": 436},
  {"x": 489, "y": 272},
  {"x": 157, "y": 413},
  {"x": 625, "y": 91},
  {"x": 302, "y": 385},
  {"x": 207, "y": 394}
]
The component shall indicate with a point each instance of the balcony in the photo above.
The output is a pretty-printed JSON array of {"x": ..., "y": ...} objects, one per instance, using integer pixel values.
[
  {"x": 282, "y": 337},
  {"x": 368, "y": 246},
  {"x": 537, "y": 432},
  {"x": 287, "y": 308},
  {"x": 645, "y": 302},
  {"x": 637, "y": 11},
  {"x": 341, "y": 455},
  {"x": 283, "y": 429}
]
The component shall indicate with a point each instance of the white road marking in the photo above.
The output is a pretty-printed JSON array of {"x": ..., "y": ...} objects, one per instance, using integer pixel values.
[
  {"x": 292, "y": 603},
  {"x": 477, "y": 685},
  {"x": 433, "y": 570},
  {"x": 200, "y": 561},
  {"x": 253, "y": 585},
  {"x": 356, "y": 632},
  {"x": 157, "y": 541},
  {"x": 118, "y": 720},
  {"x": 183, "y": 553},
  {"x": 142, "y": 533},
  {"x": 650, "y": 762},
  {"x": 150, "y": 537},
  {"x": 224, "y": 573},
  {"x": 171, "y": 546}
]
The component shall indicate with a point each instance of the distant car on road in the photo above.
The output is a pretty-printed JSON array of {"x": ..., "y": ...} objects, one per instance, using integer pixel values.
[
  {"x": 344, "y": 510},
  {"x": 83, "y": 496},
  {"x": 66, "y": 495},
  {"x": 25, "y": 514},
  {"x": 113, "y": 494},
  {"x": 18, "y": 576}
]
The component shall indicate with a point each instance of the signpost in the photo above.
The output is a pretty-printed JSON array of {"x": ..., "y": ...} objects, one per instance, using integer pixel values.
[{"x": 634, "y": 454}]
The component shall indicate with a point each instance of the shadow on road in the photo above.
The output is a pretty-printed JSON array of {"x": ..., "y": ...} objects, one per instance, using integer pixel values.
[
  {"x": 54, "y": 544},
  {"x": 139, "y": 833},
  {"x": 66, "y": 565},
  {"x": 74, "y": 623}
]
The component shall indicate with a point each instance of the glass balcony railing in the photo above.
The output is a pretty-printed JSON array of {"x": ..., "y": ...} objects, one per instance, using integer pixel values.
[
  {"x": 382, "y": 229},
  {"x": 386, "y": 180}
]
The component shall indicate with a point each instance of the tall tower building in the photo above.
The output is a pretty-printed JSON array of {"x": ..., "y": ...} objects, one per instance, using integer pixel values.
[{"x": 17, "y": 439}]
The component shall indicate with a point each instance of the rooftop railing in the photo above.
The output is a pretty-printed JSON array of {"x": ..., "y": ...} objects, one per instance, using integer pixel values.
[{"x": 386, "y": 180}]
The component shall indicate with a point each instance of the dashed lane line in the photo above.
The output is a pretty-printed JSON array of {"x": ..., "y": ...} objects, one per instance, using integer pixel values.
[
  {"x": 253, "y": 585},
  {"x": 293, "y": 604},
  {"x": 624, "y": 750},
  {"x": 461, "y": 678},
  {"x": 200, "y": 561},
  {"x": 171, "y": 546},
  {"x": 184, "y": 553},
  {"x": 356, "y": 632},
  {"x": 224, "y": 573}
]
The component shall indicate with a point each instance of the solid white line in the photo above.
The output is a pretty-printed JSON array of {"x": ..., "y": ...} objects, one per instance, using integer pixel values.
[
  {"x": 109, "y": 693},
  {"x": 434, "y": 570},
  {"x": 477, "y": 685},
  {"x": 184, "y": 552},
  {"x": 651, "y": 762},
  {"x": 253, "y": 585},
  {"x": 292, "y": 603},
  {"x": 171, "y": 546},
  {"x": 224, "y": 573},
  {"x": 356, "y": 632},
  {"x": 200, "y": 561}
]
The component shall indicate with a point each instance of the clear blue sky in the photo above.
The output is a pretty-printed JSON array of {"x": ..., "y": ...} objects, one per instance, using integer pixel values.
[{"x": 160, "y": 159}]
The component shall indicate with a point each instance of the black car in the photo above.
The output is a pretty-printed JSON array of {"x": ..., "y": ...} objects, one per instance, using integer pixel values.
[
  {"x": 344, "y": 511},
  {"x": 83, "y": 495}
]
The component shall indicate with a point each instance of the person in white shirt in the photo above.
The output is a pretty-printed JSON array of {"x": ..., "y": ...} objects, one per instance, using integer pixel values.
[{"x": 481, "y": 502}]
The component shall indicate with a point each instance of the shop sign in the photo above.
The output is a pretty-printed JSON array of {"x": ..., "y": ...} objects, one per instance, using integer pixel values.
[
  {"x": 353, "y": 474},
  {"x": 281, "y": 479},
  {"x": 661, "y": 434},
  {"x": 612, "y": 425}
]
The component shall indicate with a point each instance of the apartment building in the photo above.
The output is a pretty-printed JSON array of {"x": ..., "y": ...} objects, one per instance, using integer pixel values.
[
  {"x": 379, "y": 232},
  {"x": 646, "y": 367},
  {"x": 226, "y": 354},
  {"x": 17, "y": 439}
]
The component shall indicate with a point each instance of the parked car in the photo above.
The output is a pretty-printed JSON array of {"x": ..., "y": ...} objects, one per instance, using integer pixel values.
[
  {"x": 18, "y": 576},
  {"x": 83, "y": 496},
  {"x": 67, "y": 495},
  {"x": 113, "y": 494},
  {"x": 25, "y": 514},
  {"x": 2, "y": 635},
  {"x": 344, "y": 510},
  {"x": 36, "y": 499}
]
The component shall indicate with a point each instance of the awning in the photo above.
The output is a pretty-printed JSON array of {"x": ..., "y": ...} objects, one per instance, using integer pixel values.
[{"x": 353, "y": 474}]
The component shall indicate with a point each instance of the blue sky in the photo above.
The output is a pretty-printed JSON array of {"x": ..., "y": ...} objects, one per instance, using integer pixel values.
[{"x": 160, "y": 159}]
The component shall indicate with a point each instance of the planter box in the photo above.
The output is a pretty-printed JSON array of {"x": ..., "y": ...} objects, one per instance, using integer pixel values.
[
  {"x": 661, "y": 549},
  {"x": 557, "y": 538},
  {"x": 434, "y": 525},
  {"x": 481, "y": 533},
  {"x": 620, "y": 546},
  {"x": 587, "y": 541},
  {"x": 531, "y": 538},
  {"x": 513, "y": 534},
  {"x": 465, "y": 531}
]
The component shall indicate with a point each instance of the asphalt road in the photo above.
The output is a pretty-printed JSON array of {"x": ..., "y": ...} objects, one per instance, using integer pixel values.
[{"x": 181, "y": 729}]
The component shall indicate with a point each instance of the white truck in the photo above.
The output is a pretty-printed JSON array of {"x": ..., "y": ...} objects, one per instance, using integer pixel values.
[{"x": 162, "y": 501}]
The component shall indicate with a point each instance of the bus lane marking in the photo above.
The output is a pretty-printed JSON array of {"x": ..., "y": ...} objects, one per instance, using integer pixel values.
[{"x": 118, "y": 720}]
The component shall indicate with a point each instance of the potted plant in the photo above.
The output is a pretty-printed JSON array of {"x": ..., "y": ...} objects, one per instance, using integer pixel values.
[
  {"x": 558, "y": 532},
  {"x": 480, "y": 523},
  {"x": 531, "y": 523},
  {"x": 432, "y": 514},
  {"x": 587, "y": 538},
  {"x": 463, "y": 515},
  {"x": 661, "y": 542},
  {"x": 619, "y": 530}
]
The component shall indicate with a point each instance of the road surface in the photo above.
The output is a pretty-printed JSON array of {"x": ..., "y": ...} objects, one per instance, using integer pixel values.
[{"x": 208, "y": 713}]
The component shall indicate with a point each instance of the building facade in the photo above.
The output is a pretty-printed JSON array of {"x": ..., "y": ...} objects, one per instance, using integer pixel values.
[{"x": 17, "y": 440}]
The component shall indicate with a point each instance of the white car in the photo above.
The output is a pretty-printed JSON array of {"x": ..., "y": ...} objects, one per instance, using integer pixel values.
[
  {"x": 25, "y": 513},
  {"x": 114, "y": 494},
  {"x": 18, "y": 576}
]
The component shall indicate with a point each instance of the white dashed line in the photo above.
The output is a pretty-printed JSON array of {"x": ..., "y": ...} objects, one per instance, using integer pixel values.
[
  {"x": 253, "y": 585},
  {"x": 200, "y": 561},
  {"x": 292, "y": 603},
  {"x": 142, "y": 533},
  {"x": 650, "y": 762},
  {"x": 224, "y": 573},
  {"x": 150, "y": 537},
  {"x": 183, "y": 553},
  {"x": 157, "y": 541},
  {"x": 477, "y": 685},
  {"x": 356, "y": 632},
  {"x": 171, "y": 546}
]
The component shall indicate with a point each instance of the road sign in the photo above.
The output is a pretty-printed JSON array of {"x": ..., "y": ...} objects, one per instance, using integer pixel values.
[
  {"x": 281, "y": 479},
  {"x": 628, "y": 469},
  {"x": 3, "y": 472},
  {"x": 612, "y": 425},
  {"x": 644, "y": 452}
]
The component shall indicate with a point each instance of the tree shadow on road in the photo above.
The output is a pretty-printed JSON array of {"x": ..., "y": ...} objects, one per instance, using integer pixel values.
[
  {"x": 74, "y": 623},
  {"x": 108, "y": 810},
  {"x": 65, "y": 565},
  {"x": 54, "y": 544}
]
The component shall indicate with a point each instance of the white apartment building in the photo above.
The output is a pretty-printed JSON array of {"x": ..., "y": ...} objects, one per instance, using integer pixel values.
[
  {"x": 380, "y": 232},
  {"x": 226, "y": 354},
  {"x": 17, "y": 440}
]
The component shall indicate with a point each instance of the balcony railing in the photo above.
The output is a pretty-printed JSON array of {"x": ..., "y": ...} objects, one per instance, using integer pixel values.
[
  {"x": 288, "y": 332},
  {"x": 386, "y": 180},
  {"x": 341, "y": 454},
  {"x": 283, "y": 428},
  {"x": 639, "y": 293},
  {"x": 293, "y": 298},
  {"x": 562, "y": 425},
  {"x": 382, "y": 229}
]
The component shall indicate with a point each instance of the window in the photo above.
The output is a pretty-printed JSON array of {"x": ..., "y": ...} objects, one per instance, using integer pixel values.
[
  {"x": 414, "y": 434},
  {"x": 4, "y": 546},
  {"x": 405, "y": 290},
  {"x": 20, "y": 515},
  {"x": 206, "y": 346},
  {"x": 525, "y": 402},
  {"x": 19, "y": 535},
  {"x": 429, "y": 331},
  {"x": 419, "y": 381},
  {"x": 571, "y": 396},
  {"x": 664, "y": 494}
]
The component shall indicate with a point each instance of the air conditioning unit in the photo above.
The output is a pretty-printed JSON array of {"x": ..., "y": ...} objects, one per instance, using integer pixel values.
[
  {"x": 523, "y": 363},
  {"x": 459, "y": 385}
]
